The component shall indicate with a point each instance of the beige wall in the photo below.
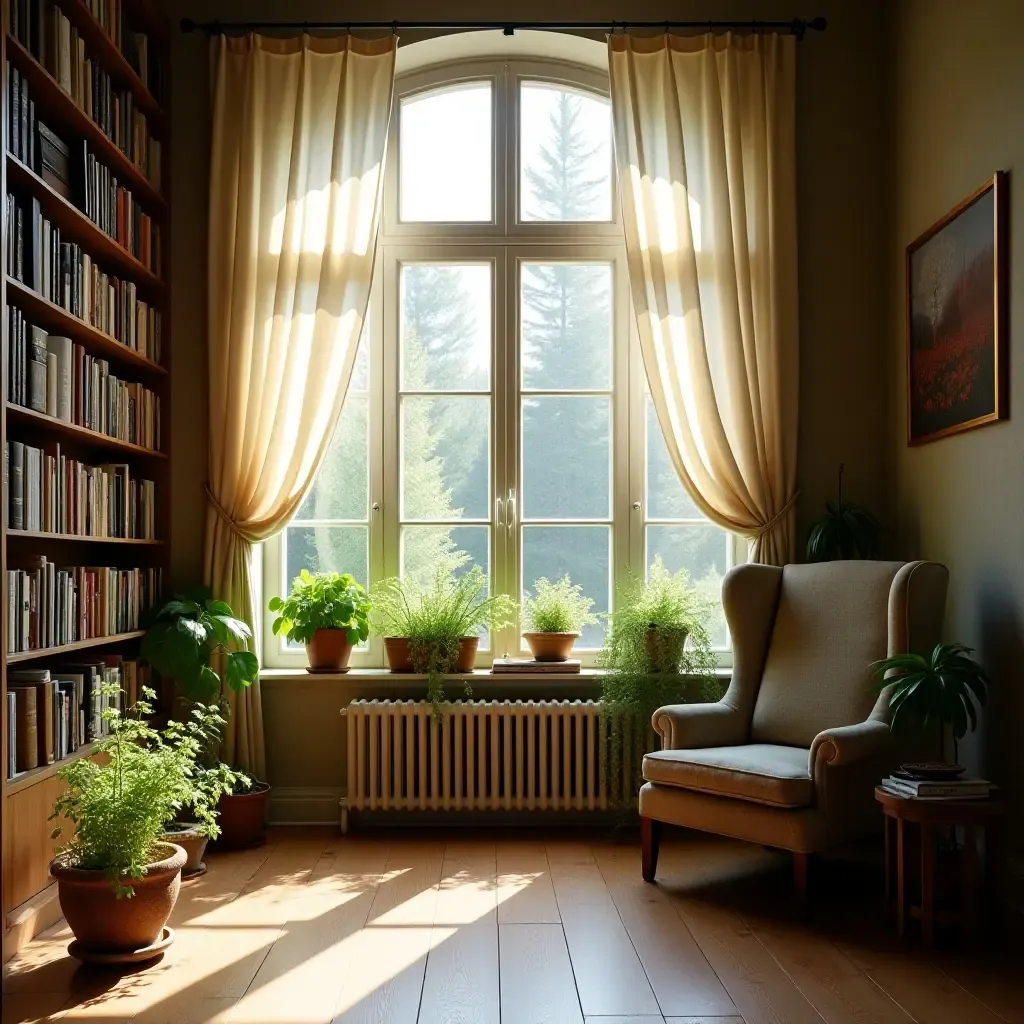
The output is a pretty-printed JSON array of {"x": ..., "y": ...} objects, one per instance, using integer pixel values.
[
  {"x": 957, "y": 117},
  {"x": 841, "y": 167}
]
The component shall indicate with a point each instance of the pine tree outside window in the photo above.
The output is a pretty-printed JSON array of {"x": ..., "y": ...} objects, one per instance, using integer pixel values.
[{"x": 498, "y": 415}]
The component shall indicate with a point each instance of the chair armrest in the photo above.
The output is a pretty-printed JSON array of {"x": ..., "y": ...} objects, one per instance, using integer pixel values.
[
  {"x": 688, "y": 726},
  {"x": 848, "y": 744}
]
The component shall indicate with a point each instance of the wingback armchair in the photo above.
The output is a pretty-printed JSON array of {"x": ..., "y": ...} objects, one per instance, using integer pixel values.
[{"x": 789, "y": 757}]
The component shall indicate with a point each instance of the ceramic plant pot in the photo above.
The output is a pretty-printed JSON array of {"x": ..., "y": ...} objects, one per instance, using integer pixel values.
[
  {"x": 397, "y": 651},
  {"x": 104, "y": 924},
  {"x": 243, "y": 818},
  {"x": 193, "y": 843},
  {"x": 328, "y": 651},
  {"x": 467, "y": 653},
  {"x": 551, "y": 646},
  {"x": 664, "y": 648}
]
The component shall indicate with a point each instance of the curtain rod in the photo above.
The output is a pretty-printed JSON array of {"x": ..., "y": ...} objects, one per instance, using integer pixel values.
[{"x": 796, "y": 26}]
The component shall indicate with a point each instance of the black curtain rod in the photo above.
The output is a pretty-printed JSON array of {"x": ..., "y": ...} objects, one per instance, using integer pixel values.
[{"x": 796, "y": 26}]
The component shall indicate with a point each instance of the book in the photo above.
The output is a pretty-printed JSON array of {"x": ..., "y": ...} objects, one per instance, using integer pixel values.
[
  {"x": 27, "y": 742},
  {"x": 61, "y": 349},
  {"x": 11, "y": 716},
  {"x": 16, "y": 491},
  {"x": 40, "y": 679},
  {"x": 531, "y": 666},
  {"x": 946, "y": 788},
  {"x": 897, "y": 789}
]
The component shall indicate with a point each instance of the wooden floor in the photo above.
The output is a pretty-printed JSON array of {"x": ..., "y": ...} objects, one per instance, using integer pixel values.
[{"x": 314, "y": 928}]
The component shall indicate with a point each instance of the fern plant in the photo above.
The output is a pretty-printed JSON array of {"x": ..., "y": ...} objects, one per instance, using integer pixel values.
[
  {"x": 939, "y": 690},
  {"x": 846, "y": 530},
  {"x": 120, "y": 803},
  {"x": 322, "y": 600},
  {"x": 558, "y": 607}
]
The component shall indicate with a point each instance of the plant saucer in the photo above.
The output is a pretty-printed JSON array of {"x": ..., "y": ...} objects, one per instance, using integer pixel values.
[{"x": 131, "y": 956}]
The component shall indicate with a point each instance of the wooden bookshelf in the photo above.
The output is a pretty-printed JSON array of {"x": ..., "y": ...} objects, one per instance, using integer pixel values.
[{"x": 25, "y": 801}]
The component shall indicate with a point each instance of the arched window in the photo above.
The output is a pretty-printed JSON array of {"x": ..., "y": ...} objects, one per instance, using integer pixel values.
[{"x": 498, "y": 413}]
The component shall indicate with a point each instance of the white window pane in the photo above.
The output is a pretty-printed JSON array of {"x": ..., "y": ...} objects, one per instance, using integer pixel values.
[
  {"x": 666, "y": 496},
  {"x": 446, "y": 327},
  {"x": 702, "y": 549},
  {"x": 341, "y": 489},
  {"x": 445, "y": 458},
  {"x": 566, "y": 318},
  {"x": 565, "y": 155},
  {"x": 566, "y": 457},
  {"x": 582, "y": 552},
  {"x": 445, "y": 155},
  {"x": 426, "y": 550},
  {"x": 327, "y": 549}
]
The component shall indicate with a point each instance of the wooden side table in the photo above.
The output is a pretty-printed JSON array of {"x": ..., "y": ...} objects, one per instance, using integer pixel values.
[{"x": 928, "y": 816}]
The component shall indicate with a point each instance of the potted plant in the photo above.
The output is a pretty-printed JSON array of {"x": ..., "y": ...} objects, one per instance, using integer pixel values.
[
  {"x": 939, "y": 690},
  {"x": 188, "y": 636},
  {"x": 117, "y": 882},
  {"x": 326, "y": 611},
  {"x": 435, "y": 630},
  {"x": 846, "y": 530},
  {"x": 554, "y": 616}
]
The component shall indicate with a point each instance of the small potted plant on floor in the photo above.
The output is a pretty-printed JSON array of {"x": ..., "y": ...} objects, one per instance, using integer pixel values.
[
  {"x": 326, "y": 611},
  {"x": 188, "y": 637},
  {"x": 435, "y": 630},
  {"x": 117, "y": 882},
  {"x": 553, "y": 617}
]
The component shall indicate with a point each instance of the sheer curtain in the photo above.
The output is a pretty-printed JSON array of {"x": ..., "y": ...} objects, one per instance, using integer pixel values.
[
  {"x": 705, "y": 152},
  {"x": 299, "y": 132}
]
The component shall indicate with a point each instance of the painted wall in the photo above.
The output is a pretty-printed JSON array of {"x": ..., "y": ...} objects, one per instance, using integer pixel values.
[
  {"x": 958, "y": 96},
  {"x": 841, "y": 172}
]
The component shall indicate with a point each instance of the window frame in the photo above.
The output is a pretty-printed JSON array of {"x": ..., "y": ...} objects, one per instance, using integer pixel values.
[{"x": 507, "y": 242}]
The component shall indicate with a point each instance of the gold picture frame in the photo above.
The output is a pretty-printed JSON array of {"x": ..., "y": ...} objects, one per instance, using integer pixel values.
[{"x": 956, "y": 318}]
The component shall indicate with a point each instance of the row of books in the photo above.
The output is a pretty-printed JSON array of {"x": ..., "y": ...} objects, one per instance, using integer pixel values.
[
  {"x": 902, "y": 784},
  {"x": 44, "y": 30},
  {"x": 51, "y": 712},
  {"x": 20, "y": 121},
  {"x": 48, "y": 373},
  {"x": 49, "y": 606},
  {"x": 47, "y": 491},
  {"x": 112, "y": 207}
]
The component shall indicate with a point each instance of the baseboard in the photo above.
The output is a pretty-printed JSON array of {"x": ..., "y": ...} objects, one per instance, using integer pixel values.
[
  {"x": 33, "y": 916},
  {"x": 304, "y": 805}
]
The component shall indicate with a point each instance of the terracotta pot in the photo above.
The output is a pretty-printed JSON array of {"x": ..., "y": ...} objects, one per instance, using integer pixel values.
[
  {"x": 328, "y": 651},
  {"x": 192, "y": 842},
  {"x": 105, "y": 924},
  {"x": 551, "y": 646},
  {"x": 664, "y": 648},
  {"x": 243, "y": 818},
  {"x": 396, "y": 649}
]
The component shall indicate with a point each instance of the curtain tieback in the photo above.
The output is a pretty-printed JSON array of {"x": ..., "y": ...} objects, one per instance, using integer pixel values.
[
  {"x": 223, "y": 513},
  {"x": 775, "y": 519}
]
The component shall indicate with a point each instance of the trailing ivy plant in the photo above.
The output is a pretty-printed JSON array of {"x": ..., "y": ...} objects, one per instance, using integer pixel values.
[
  {"x": 558, "y": 607},
  {"x": 434, "y": 619},
  {"x": 846, "y": 530},
  {"x": 119, "y": 804},
  {"x": 322, "y": 600}
]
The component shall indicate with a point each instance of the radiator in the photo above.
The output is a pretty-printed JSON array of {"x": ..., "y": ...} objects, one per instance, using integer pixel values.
[{"x": 486, "y": 756}]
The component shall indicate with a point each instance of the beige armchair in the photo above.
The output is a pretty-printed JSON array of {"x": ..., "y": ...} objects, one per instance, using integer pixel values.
[{"x": 790, "y": 756}]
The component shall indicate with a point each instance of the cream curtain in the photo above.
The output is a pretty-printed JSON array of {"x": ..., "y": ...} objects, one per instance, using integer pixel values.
[
  {"x": 704, "y": 146},
  {"x": 299, "y": 131}
]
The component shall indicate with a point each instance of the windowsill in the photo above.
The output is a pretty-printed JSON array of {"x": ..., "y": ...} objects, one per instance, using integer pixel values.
[{"x": 480, "y": 675}]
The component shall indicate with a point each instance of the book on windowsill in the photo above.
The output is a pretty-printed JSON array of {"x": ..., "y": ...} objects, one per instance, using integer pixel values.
[
  {"x": 531, "y": 665},
  {"x": 951, "y": 789}
]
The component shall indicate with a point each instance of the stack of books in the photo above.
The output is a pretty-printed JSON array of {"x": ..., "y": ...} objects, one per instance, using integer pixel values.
[
  {"x": 901, "y": 783},
  {"x": 504, "y": 666}
]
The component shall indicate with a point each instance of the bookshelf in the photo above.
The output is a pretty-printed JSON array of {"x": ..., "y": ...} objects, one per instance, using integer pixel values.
[{"x": 122, "y": 79}]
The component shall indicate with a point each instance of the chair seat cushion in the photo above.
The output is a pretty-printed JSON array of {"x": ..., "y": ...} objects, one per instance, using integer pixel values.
[{"x": 762, "y": 773}]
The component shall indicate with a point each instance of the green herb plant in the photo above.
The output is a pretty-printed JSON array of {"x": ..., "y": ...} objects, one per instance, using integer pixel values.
[
  {"x": 558, "y": 607},
  {"x": 436, "y": 618},
  {"x": 939, "y": 690},
  {"x": 846, "y": 530},
  {"x": 120, "y": 808},
  {"x": 322, "y": 600}
]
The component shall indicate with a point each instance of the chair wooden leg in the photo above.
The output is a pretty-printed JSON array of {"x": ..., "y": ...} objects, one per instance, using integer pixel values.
[
  {"x": 650, "y": 837},
  {"x": 801, "y": 869}
]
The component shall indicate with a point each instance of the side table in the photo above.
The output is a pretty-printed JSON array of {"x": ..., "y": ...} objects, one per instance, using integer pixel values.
[{"x": 928, "y": 816}]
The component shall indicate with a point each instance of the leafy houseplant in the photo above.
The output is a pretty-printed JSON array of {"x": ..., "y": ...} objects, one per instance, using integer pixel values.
[
  {"x": 554, "y": 616},
  {"x": 436, "y": 630},
  {"x": 326, "y": 611},
  {"x": 938, "y": 690},
  {"x": 118, "y": 809},
  {"x": 846, "y": 530}
]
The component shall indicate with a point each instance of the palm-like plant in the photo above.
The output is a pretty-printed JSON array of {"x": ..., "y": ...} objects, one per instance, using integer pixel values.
[
  {"x": 846, "y": 530},
  {"x": 940, "y": 689}
]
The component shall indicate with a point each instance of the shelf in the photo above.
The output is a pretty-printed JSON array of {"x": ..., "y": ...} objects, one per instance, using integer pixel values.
[
  {"x": 73, "y": 432},
  {"x": 114, "y": 62},
  {"x": 44, "y": 313},
  {"x": 13, "y": 534},
  {"x": 44, "y": 771},
  {"x": 78, "y": 645},
  {"x": 75, "y": 226},
  {"x": 54, "y": 107}
]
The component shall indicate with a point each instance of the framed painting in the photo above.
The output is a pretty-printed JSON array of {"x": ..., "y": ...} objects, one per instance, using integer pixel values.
[{"x": 956, "y": 318}]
